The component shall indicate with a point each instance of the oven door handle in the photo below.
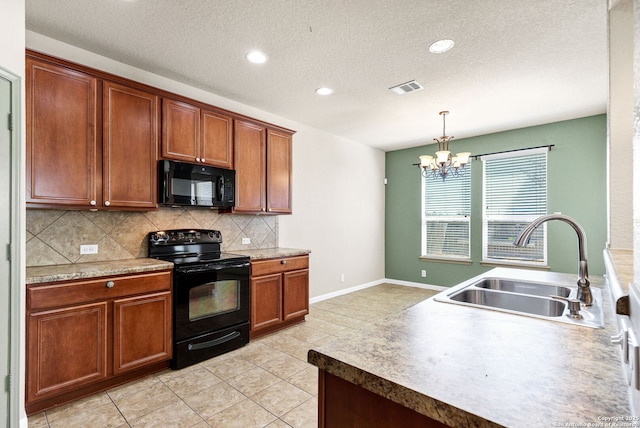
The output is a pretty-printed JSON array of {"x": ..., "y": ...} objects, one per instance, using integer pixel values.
[
  {"x": 211, "y": 268},
  {"x": 214, "y": 342},
  {"x": 236, "y": 266}
]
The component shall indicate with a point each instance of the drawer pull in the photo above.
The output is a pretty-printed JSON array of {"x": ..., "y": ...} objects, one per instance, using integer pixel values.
[
  {"x": 283, "y": 262},
  {"x": 110, "y": 284}
]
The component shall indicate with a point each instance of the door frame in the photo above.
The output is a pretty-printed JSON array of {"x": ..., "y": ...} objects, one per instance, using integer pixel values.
[{"x": 16, "y": 253}]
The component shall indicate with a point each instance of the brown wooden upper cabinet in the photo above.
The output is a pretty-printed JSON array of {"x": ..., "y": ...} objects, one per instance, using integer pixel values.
[
  {"x": 263, "y": 169},
  {"x": 195, "y": 135},
  {"x": 77, "y": 158}
]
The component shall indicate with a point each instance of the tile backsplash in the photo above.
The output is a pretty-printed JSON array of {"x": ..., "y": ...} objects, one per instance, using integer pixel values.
[{"x": 54, "y": 236}]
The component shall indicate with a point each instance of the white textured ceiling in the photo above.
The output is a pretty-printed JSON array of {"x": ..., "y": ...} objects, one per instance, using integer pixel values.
[{"x": 516, "y": 63}]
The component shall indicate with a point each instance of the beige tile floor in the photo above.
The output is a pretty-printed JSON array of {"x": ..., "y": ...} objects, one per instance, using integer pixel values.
[{"x": 267, "y": 383}]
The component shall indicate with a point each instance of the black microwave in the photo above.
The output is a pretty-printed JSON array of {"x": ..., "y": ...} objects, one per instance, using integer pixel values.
[{"x": 189, "y": 184}]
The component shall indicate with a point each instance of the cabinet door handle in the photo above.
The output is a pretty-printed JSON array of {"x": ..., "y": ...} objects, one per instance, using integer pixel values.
[
  {"x": 110, "y": 284},
  {"x": 197, "y": 159},
  {"x": 107, "y": 203},
  {"x": 92, "y": 202}
]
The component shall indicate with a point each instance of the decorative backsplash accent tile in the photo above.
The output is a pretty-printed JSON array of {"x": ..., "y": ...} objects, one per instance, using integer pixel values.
[{"x": 54, "y": 236}]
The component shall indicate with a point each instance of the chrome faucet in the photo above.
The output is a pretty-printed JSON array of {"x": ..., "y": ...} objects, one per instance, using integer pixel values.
[{"x": 584, "y": 292}]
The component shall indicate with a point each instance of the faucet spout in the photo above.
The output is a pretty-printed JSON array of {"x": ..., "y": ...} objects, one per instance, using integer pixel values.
[{"x": 584, "y": 292}]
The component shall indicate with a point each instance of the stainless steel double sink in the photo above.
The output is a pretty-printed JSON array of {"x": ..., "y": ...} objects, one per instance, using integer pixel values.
[{"x": 533, "y": 299}]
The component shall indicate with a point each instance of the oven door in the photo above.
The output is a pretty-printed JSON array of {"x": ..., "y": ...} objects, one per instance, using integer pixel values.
[{"x": 210, "y": 298}]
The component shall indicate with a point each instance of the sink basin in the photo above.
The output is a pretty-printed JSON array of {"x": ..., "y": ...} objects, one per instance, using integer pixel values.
[
  {"x": 523, "y": 287},
  {"x": 527, "y": 298},
  {"x": 511, "y": 302}
]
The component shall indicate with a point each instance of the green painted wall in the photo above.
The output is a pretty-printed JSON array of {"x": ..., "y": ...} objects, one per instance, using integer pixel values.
[{"x": 576, "y": 187}]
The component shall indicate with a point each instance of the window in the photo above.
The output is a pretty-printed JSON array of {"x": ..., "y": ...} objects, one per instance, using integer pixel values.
[
  {"x": 514, "y": 193},
  {"x": 446, "y": 217}
]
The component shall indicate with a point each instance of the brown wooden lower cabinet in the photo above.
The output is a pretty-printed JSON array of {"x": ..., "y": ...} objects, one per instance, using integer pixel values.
[
  {"x": 344, "y": 404},
  {"x": 86, "y": 336},
  {"x": 279, "y": 293}
]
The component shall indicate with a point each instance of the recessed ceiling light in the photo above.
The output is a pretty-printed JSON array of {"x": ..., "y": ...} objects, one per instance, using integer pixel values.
[
  {"x": 441, "y": 46},
  {"x": 324, "y": 91},
  {"x": 256, "y": 57}
]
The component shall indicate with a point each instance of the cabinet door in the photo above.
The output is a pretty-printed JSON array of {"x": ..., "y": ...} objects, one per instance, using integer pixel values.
[
  {"x": 142, "y": 331},
  {"x": 250, "y": 164},
  {"x": 217, "y": 142},
  {"x": 130, "y": 147},
  {"x": 296, "y": 293},
  {"x": 66, "y": 348},
  {"x": 266, "y": 301},
  {"x": 180, "y": 131},
  {"x": 278, "y": 172},
  {"x": 61, "y": 135}
]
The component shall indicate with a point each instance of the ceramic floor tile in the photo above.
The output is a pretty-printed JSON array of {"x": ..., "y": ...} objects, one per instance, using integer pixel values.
[
  {"x": 306, "y": 334},
  {"x": 132, "y": 387},
  {"x": 281, "y": 398},
  {"x": 39, "y": 420},
  {"x": 278, "y": 423},
  {"x": 228, "y": 368},
  {"x": 213, "y": 400},
  {"x": 192, "y": 382},
  {"x": 324, "y": 326},
  {"x": 104, "y": 416},
  {"x": 303, "y": 416},
  {"x": 175, "y": 415},
  {"x": 266, "y": 354},
  {"x": 82, "y": 406},
  {"x": 284, "y": 366},
  {"x": 138, "y": 404},
  {"x": 246, "y": 414},
  {"x": 307, "y": 379},
  {"x": 253, "y": 381}
]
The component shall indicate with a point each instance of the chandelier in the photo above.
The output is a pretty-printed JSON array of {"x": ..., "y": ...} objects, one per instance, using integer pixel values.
[{"x": 443, "y": 164}]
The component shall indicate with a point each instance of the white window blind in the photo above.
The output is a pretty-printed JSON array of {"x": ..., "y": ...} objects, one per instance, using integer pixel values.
[
  {"x": 446, "y": 217},
  {"x": 515, "y": 193}
]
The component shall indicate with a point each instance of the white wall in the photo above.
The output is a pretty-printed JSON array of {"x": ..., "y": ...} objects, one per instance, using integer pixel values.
[
  {"x": 338, "y": 191},
  {"x": 338, "y": 199},
  {"x": 12, "y": 60}
]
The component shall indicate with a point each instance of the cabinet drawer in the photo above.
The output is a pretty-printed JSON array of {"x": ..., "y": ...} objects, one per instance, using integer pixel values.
[
  {"x": 73, "y": 292},
  {"x": 284, "y": 264}
]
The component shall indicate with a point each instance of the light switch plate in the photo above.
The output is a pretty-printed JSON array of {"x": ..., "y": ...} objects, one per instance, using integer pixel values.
[
  {"x": 246, "y": 241},
  {"x": 89, "y": 249}
]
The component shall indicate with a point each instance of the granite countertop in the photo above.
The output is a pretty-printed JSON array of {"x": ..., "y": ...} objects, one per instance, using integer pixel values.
[
  {"x": 71, "y": 271},
  {"x": 466, "y": 366},
  {"x": 68, "y": 272},
  {"x": 271, "y": 253}
]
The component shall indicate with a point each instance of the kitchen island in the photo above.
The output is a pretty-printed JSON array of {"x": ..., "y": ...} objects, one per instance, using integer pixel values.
[{"x": 453, "y": 365}]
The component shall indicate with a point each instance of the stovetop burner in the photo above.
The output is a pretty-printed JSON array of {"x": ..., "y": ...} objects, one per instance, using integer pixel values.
[{"x": 189, "y": 246}]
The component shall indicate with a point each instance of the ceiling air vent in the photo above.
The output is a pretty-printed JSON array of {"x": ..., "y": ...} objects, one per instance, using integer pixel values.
[{"x": 406, "y": 87}]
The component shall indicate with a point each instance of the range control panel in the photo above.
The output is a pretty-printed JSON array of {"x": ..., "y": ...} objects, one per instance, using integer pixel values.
[{"x": 184, "y": 236}]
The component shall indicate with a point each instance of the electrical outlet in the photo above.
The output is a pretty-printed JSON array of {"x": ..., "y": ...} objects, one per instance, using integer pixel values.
[
  {"x": 246, "y": 241},
  {"x": 89, "y": 249},
  {"x": 423, "y": 273},
  {"x": 341, "y": 277}
]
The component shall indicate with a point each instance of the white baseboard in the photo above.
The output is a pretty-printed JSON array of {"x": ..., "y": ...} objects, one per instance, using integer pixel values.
[{"x": 372, "y": 284}]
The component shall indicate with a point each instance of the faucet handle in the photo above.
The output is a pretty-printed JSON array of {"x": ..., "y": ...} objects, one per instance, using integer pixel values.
[{"x": 574, "y": 306}]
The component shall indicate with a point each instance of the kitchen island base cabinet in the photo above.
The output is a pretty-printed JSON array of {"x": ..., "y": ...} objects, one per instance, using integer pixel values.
[
  {"x": 344, "y": 404},
  {"x": 279, "y": 293},
  {"x": 85, "y": 336}
]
